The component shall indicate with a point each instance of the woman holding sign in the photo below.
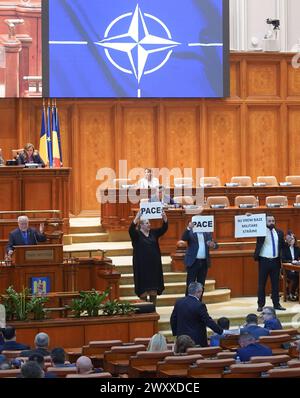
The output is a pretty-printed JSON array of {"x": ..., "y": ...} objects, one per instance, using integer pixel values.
[{"x": 147, "y": 265}]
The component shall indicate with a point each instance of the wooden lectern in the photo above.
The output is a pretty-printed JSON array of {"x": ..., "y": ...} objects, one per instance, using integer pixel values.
[{"x": 38, "y": 262}]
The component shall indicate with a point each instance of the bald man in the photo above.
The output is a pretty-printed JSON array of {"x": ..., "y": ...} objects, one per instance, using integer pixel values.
[
  {"x": 84, "y": 365},
  {"x": 24, "y": 235}
]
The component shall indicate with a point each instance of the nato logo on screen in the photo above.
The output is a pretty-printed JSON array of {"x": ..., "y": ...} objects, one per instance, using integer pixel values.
[{"x": 137, "y": 49}]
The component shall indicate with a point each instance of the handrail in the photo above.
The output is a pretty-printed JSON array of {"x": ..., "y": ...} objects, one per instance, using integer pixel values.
[{"x": 30, "y": 211}]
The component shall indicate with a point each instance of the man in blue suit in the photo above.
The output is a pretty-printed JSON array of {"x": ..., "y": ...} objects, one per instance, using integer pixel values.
[
  {"x": 190, "y": 316},
  {"x": 160, "y": 196},
  {"x": 249, "y": 348},
  {"x": 197, "y": 258},
  {"x": 10, "y": 344},
  {"x": 252, "y": 327},
  {"x": 24, "y": 235}
]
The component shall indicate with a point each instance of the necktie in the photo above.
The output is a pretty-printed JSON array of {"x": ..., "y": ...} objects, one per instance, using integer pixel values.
[
  {"x": 25, "y": 237},
  {"x": 273, "y": 243}
]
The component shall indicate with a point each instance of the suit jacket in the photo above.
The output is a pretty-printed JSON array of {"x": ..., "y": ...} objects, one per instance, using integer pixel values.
[
  {"x": 167, "y": 199},
  {"x": 36, "y": 159},
  {"x": 273, "y": 324},
  {"x": 13, "y": 346},
  {"x": 286, "y": 253},
  {"x": 190, "y": 317},
  {"x": 255, "y": 330},
  {"x": 253, "y": 350},
  {"x": 16, "y": 238},
  {"x": 260, "y": 242},
  {"x": 193, "y": 247}
]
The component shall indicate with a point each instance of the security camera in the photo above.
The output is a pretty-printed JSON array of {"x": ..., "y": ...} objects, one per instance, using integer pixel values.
[{"x": 274, "y": 22}]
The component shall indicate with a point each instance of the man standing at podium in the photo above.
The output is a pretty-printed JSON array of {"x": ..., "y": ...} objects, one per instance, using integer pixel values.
[{"x": 24, "y": 235}]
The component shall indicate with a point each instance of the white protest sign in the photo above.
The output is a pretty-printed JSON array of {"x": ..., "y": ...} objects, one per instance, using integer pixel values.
[
  {"x": 203, "y": 223},
  {"x": 2, "y": 316},
  {"x": 151, "y": 210},
  {"x": 250, "y": 227}
]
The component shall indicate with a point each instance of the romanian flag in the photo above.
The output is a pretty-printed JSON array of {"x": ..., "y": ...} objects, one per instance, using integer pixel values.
[
  {"x": 55, "y": 142},
  {"x": 49, "y": 142},
  {"x": 43, "y": 139},
  {"x": 58, "y": 134}
]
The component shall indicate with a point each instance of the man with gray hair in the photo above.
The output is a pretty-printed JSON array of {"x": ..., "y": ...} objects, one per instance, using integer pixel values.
[
  {"x": 24, "y": 235},
  {"x": 41, "y": 342},
  {"x": 190, "y": 316}
]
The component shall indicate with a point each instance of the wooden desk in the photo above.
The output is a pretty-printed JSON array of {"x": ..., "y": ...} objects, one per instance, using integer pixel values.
[
  {"x": 35, "y": 189},
  {"x": 116, "y": 213},
  {"x": 289, "y": 267}
]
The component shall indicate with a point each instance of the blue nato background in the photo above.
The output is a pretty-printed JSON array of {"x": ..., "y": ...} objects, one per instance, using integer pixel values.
[{"x": 84, "y": 70}]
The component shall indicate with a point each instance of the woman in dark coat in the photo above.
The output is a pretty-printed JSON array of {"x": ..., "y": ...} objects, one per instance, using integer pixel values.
[{"x": 147, "y": 265}]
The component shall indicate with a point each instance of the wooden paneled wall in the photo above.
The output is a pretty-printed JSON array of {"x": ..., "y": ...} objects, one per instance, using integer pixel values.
[{"x": 254, "y": 132}]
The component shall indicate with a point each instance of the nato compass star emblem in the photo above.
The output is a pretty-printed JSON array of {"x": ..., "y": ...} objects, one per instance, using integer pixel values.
[{"x": 138, "y": 43}]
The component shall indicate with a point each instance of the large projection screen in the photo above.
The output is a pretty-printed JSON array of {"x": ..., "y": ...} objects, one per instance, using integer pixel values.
[{"x": 136, "y": 49}]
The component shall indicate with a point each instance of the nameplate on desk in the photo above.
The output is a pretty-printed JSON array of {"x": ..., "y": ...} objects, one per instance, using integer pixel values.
[
  {"x": 296, "y": 205},
  {"x": 38, "y": 255},
  {"x": 274, "y": 205},
  {"x": 285, "y": 184},
  {"x": 246, "y": 206},
  {"x": 259, "y": 184},
  {"x": 232, "y": 184},
  {"x": 218, "y": 206}
]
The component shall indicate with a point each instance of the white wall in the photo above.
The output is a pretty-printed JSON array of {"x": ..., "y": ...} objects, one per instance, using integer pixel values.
[{"x": 248, "y": 19}]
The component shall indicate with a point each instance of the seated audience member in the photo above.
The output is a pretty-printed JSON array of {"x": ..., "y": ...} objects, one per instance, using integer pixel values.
[
  {"x": 271, "y": 322},
  {"x": 41, "y": 343},
  {"x": 252, "y": 327},
  {"x": 1, "y": 158},
  {"x": 160, "y": 196},
  {"x": 84, "y": 365},
  {"x": 24, "y": 235},
  {"x": 250, "y": 348},
  {"x": 10, "y": 343},
  {"x": 58, "y": 357},
  {"x": 224, "y": 323},
  {"x": 39, "y": 359},
  {"x": 182, "y": 343},
  {"x": 190, "y": 316},
  {"x": 29, "y": 155},
  {"x": 157, "y": 343},
  {"x": 291, "y": 253},
  {"x": 32, "y": 370},
  {"x": 4, "y": 364},
  {"x": 148, "y": 181}
]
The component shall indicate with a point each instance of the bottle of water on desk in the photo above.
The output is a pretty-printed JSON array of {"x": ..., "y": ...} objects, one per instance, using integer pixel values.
[{"x": 238, "y": 360}]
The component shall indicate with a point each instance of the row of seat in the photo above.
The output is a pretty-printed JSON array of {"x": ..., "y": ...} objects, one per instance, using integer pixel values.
[
  {"x": 239, "y": 201},
  {"x": 242, "y": 181}
]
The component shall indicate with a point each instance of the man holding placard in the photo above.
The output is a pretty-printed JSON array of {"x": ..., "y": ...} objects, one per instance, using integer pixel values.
[
  {"x": 147, "y": 265},
  {"x": 198, "y": 235},
  {"x": 268, "y": 253}
]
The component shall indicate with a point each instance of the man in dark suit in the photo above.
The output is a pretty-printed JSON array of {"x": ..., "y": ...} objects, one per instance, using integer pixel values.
[
  {"x": 251, "y": 327},
  {"x": 24, "y": 235},
  {"x": 160, "y": 196},
  {"x": 10, "y": 344},
  {"x": 268, "y": 254},
  {"x": 190, "y": 316},
  {"x": 249, "y": 348},
  {"x": 197, "y": 258}
]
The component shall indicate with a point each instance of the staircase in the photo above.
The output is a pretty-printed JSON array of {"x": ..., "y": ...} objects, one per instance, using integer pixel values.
[{"x": 90, "y": 236}]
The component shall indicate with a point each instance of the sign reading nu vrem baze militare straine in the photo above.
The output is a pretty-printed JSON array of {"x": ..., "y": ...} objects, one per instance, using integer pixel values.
[
  {"x": 151, "y": 210},
  {"x": 250, "y": 227},
  {"x": 203, "y": 223}
]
